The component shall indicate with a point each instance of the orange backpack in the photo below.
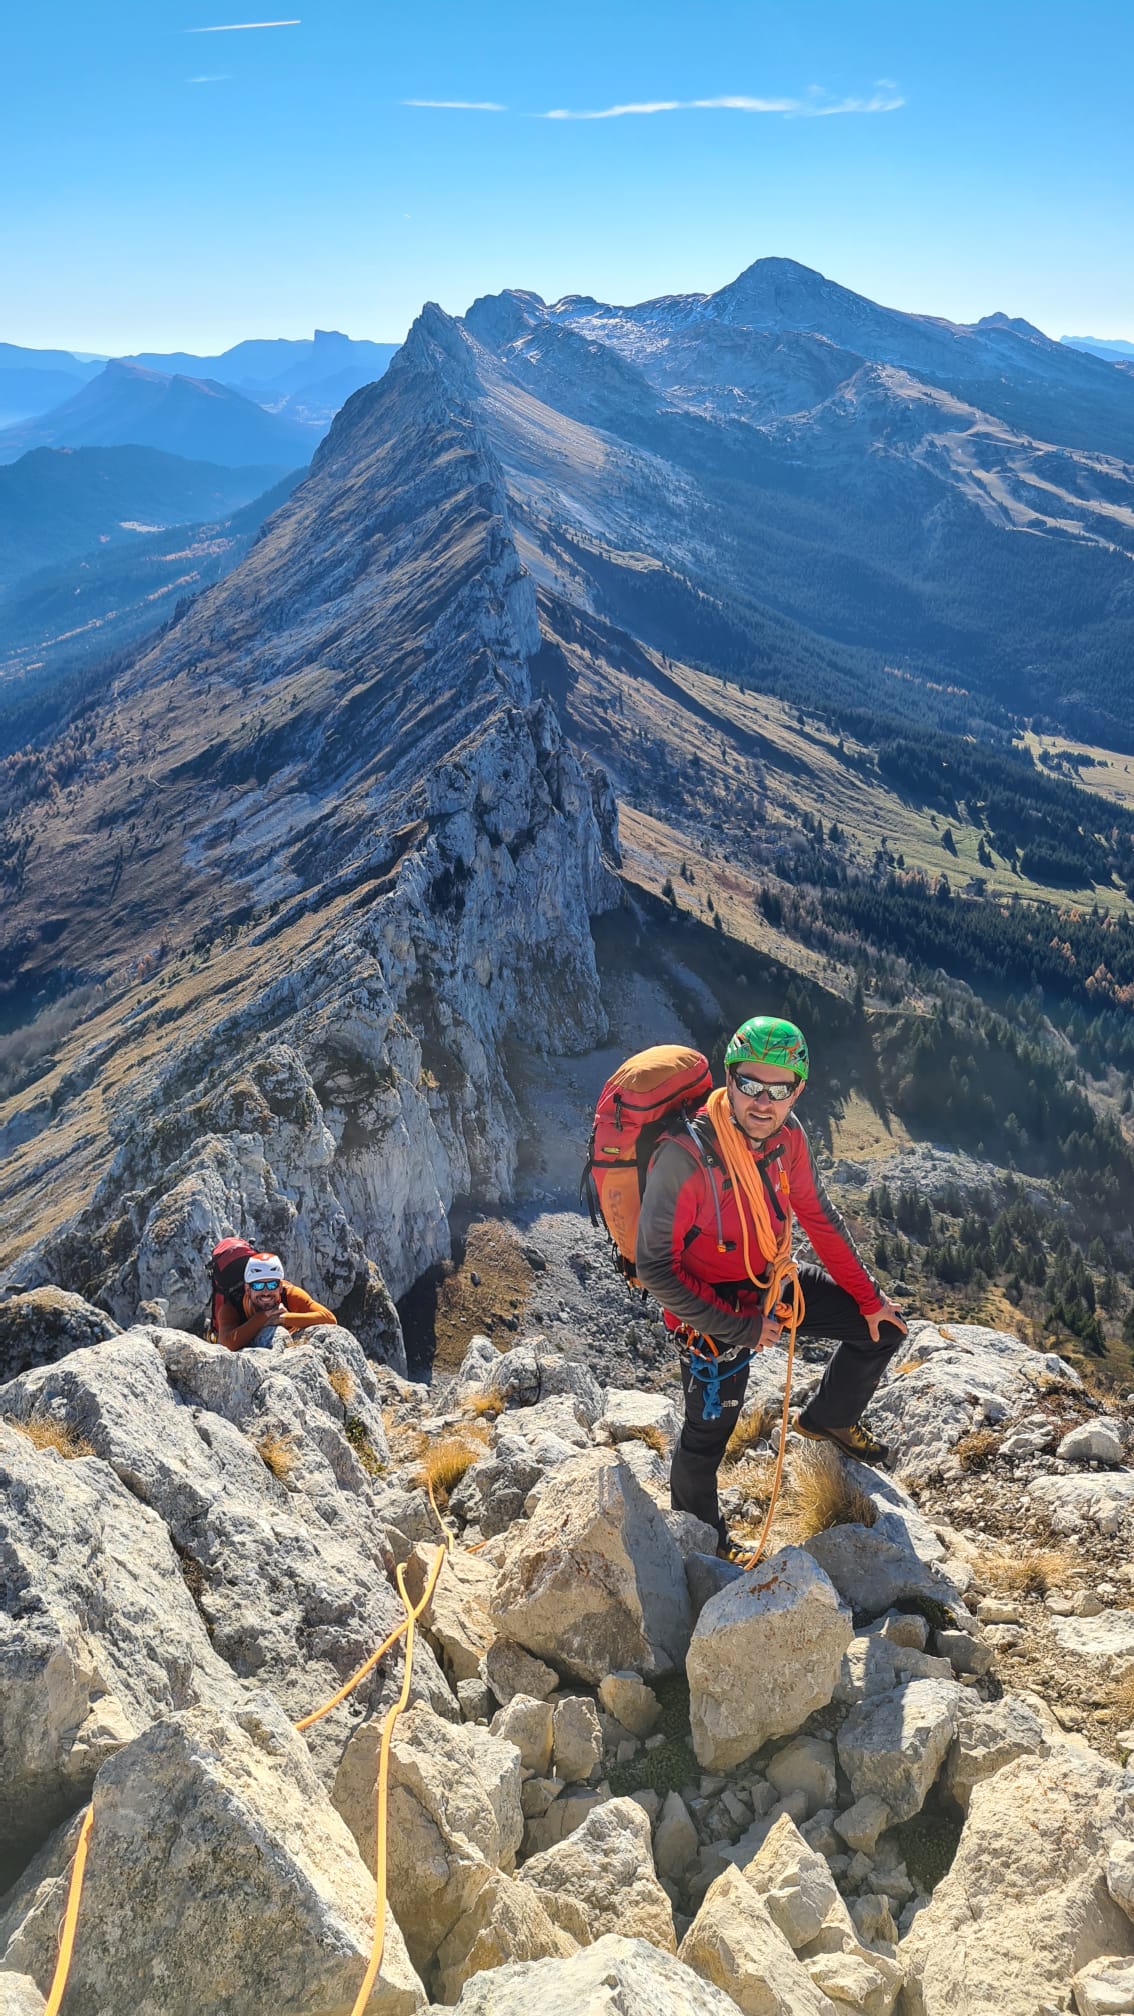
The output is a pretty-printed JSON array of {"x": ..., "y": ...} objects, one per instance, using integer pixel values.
[{"x": 639, "y": 1103}]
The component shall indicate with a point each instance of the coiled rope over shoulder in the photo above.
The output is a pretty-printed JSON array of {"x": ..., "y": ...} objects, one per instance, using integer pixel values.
[{"x": 774, "y": 1273}]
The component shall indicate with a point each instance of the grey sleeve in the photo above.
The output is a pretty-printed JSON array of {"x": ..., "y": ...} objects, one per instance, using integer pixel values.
[{"x": 658, "y": 1270}]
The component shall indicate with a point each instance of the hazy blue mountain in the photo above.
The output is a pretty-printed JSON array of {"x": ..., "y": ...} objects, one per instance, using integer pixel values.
[
  {"x": 194, "y": 417},
  {"x": 63, "y": 628},
  {"x": 1101, "y": 346},
  {"x": 273, "y": 370},
  {"x": 33, "y": 381},
  {"x": 57, "y": 503}
]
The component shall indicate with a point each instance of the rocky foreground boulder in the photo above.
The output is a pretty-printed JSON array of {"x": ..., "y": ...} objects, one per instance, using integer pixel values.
[{"x": 630, "y": 1776}]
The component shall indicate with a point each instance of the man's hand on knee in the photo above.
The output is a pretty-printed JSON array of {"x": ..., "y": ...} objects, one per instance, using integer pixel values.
[{"x": 885, "y": 1313}]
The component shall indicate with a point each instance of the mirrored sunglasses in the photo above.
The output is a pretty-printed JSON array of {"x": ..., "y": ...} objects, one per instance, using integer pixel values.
[{"x": 758, "y": 1088}]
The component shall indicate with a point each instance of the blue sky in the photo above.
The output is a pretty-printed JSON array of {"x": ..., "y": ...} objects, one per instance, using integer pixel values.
[{"x": 172, "y": 188}]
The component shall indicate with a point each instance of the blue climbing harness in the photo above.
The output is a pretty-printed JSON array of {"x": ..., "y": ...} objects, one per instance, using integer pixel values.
[{"x": 711, "y": 1374}]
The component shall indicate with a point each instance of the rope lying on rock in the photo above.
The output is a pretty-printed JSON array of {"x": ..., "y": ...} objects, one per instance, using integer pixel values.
[{"x": 382, "y": 1786}]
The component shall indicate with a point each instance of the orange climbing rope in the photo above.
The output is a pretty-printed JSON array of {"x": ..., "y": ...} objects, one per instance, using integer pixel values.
[
  {"x": 775, "y": 1273},
  {"x": 70, "y": 1916},
  {"x": 407, "y": 1627}
]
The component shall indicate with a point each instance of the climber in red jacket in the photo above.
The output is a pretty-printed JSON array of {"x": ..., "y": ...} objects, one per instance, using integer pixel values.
[{"x": 695, "y": 1252}]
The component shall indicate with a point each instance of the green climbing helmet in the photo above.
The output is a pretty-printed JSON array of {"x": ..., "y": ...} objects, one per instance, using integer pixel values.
[{"x": 765, "y": 1039}]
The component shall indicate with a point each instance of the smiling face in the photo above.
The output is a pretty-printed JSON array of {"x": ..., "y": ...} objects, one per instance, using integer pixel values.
[
  {"x": 757, "y": 1114},
  {"x": 262, "y": 1297}
]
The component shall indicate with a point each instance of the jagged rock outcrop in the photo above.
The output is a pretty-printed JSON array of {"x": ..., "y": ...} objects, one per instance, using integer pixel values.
[
  {"x": 219, "y": 1875},
  {"x": 765, "y": 1654},
  {"x": 44, "y": 1324},
  {"x": 595, "y": 1582},
  {"x": 429, "y": 846},
  {"x": 1026, "y": 1904},
  {"x": 629, "y": 1975}
]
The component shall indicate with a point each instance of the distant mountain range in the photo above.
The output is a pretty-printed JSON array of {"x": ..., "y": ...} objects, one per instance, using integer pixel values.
[
  {"x": 1102, "y": 346},
  {"x": 194, "y": 417},
  {"x": 304, "y": 381}
]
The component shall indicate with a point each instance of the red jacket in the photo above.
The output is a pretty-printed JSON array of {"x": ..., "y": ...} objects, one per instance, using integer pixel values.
[{"x": 690, "y": 1212}]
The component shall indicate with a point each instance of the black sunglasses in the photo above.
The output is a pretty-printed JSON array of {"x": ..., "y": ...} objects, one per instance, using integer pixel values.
[{"x": 758, "y": 1088}]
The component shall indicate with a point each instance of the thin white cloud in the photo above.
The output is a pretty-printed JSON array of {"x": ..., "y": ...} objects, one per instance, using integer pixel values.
[
  {"x": 455, "y": 104},
  {"x": 220, "y": 77},
  {"x": 241, "y": 27},
  {"x": 812, "y": 107}
]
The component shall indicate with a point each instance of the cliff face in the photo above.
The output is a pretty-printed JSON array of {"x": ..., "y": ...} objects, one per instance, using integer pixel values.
[{"x": 330, "y": 772}]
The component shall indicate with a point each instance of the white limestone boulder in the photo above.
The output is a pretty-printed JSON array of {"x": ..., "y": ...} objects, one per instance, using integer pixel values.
[
  {"x": 1103, "y": 1499},
  {"x": 101, "y": 1636},
  {"x": 218, "y": 1876},
  {"x": 1120, "y": 1874},
  {"x": 594, "y": 1583},
  {"x": 454, "y": 1817},
  {"x": 1099, "y": 1441},
  {"x": 947, "y": 1381},
  {"x": 1104, "y": 1641},
  {"x": 876, "y": 1569},
  {"x": 1025, "y": 1905},
  {"x": 895, "y": 1745},
  {"x": 992, "y": 1735},
  {"x": 629, "y": 1414},
  {"x": 506, "y": 1922},
  {"x": 1105, "y": 1988},
  {"x": 623, "y": 1975},
  {"x": 734, "y": 1943},
  {"x": 456, "y": 1619},
  {"x": 606, "y": 1869},
  {"x": 765, "y": 1654}
]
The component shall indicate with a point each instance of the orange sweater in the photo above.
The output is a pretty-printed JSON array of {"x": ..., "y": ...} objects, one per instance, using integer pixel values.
[{"x": 298, "y": 1311}]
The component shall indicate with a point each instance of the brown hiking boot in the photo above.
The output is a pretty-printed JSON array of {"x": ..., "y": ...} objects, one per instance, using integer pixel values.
[
  {"x": 856, "y": 1440},
  {"x": 732, "y": 1550}
]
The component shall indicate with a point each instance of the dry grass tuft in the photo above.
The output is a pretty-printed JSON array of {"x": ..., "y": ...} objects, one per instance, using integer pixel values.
[
  {"x": 822, "y": 1494},
  {"x": 485, "y": 1406},
  {"x": 341, "y": 1382},
  {"x": 1027, "y": 1574},
  {"x": 750, "y": 1429},
  {"x": 45, "y": 1433},
  {"x": 279, "y": 1453},
  {"x": 651, "y": 1436},
  {"x": 976, "y": 1450},
  {"x": 442, "y": 1463}
]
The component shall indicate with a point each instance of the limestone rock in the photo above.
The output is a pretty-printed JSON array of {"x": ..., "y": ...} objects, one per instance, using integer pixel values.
[
  {"x": 675, "y": 1838},
  {"x": 765, "y": 1654},
  {"x": 527, "y": 1724},
  {"x": 875, "y": 1664},
  {"x": 1092, "y": 1442},
  {"x": 707, "y": 1576},
  {"x": 627, "y": 1697},
  {"x": 215, "y": 1848},
  {"x": 943, "y": 1386},
  {"x": 454, "y": 1816},
  {"x": 734, "y": 1943},
  {"x": 510, "y": 1670},
  {"x": 1101, "y": 1640},
  {"x": 993, "y": 1735},
  {"x": 965, "y": 1652},
  {"x": 576, "y": 1739},
  {"x": 506, "y": 1922},
  {"x": 532, "y": 1371},
  {"x": 863, "y": 1822},
  {"x": 806, "y": 1765},
  {"x": 564, "y": 1816},
  {"x": 1102, "y": 1499},
  {"x": 1105, "y": 1988},
  {"x": 1120, "y": 1874},
  {"x": 629, "y": 1976},
  {"x": 895, "y": 1745},
  {"x": 856, "y": 1980},
  {"x": 1025, "y": 1905},
  {"x": 19, "y": 1996},
  {"x": 594, "y": 1583},
  {"x": 245, "y": 1459},
  {"x": 101, "y": 1637},
  {"x": 456, "y": 1620},
  {"x": 43, "y": 1324},
  {"x": 606, "y": 1867},
  {"x": 873, "y": 1572},
  {"x": 632, "y": 1414},
  {"x": 795, "y": 1884}
]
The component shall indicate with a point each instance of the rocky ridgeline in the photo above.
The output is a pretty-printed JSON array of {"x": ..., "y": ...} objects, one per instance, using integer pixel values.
[
  {"x": 629, "y": 1776},
  {"x": 421, "y": 851}
]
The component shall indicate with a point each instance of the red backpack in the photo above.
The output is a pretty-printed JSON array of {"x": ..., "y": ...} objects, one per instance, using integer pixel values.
[
  {"x": 639, "y": 1103},
  {"x": 227, "y": 1262}
]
